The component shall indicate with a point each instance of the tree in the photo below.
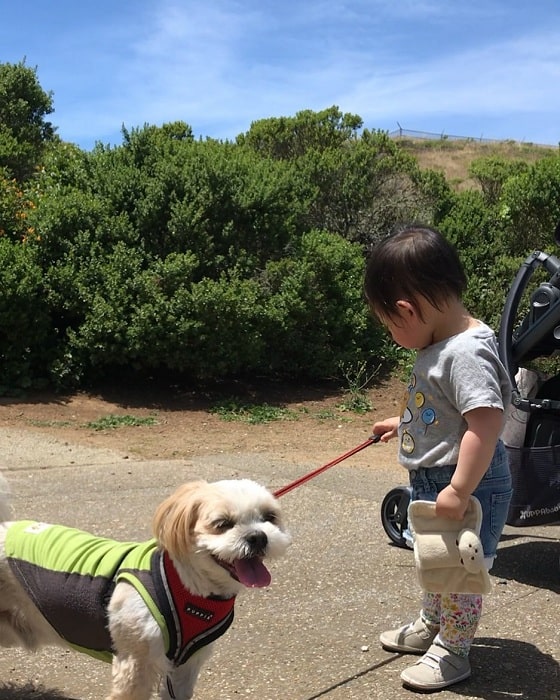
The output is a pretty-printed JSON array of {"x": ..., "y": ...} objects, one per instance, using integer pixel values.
[
  {"x": 491, "y": 174},
  {"x": 290, "y": 137},
  {"x": 530, "y": 206},
  {"x": 24, "y": 132},
  {"x": 150, "y": 142}
]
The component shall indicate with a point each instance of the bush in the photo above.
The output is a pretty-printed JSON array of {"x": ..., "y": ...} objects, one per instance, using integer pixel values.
[
  {"x": 316, "y": 314},
  {"x": 216, "y": 259},
  {"x": 25, "y": 325},
  {"x": 302, "y": 316}
]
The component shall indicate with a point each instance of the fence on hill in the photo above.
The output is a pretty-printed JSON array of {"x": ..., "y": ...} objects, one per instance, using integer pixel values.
[{"x": 404, "y": 133}]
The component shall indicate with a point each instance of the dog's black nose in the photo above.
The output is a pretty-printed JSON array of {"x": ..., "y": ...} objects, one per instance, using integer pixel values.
[{"x": 257, "y": 541}]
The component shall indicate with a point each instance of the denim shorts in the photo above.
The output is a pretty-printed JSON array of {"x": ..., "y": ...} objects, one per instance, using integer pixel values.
[{"x": 494, "y": 493}]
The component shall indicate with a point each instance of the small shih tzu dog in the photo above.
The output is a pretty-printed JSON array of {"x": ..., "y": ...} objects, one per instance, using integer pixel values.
[{"x": 153, "y": 609}]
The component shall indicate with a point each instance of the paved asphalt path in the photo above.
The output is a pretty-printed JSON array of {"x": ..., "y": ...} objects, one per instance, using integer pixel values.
[{"x": 313, "y": 634}]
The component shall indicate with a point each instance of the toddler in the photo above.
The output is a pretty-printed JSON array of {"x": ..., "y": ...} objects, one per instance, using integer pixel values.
[{"x": 448, "y": 431}]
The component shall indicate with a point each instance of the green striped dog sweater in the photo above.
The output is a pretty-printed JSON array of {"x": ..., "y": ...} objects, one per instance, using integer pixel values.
[{"x": 70, "y": 576}]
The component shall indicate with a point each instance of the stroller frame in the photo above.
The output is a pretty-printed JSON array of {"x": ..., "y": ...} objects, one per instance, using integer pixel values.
[{"x": 535, "y": 464}]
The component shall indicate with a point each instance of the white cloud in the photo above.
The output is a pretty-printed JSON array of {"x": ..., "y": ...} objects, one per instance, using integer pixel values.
[{"x": 222, "y": 64}]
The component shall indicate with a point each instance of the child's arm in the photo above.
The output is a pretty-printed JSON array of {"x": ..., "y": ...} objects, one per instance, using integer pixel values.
[
  {"x": 484, "y": 426},
  {"x": 387, "y": 428}
]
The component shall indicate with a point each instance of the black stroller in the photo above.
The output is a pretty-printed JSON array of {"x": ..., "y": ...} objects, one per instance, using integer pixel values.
[{"x": 532, "y": 433}]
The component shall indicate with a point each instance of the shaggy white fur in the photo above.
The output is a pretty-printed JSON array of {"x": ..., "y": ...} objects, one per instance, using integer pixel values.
[{"x": 217, "y": 535}]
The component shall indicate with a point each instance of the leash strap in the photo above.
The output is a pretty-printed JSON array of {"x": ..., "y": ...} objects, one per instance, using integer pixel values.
[{"x": 302, "y": 479}]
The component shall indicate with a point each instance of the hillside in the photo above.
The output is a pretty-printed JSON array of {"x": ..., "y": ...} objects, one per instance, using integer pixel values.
[{"x": 453, "y": 158}]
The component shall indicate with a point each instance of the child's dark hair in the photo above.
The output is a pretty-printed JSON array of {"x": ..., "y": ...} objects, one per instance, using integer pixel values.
[{"x": 415, "y": 261}]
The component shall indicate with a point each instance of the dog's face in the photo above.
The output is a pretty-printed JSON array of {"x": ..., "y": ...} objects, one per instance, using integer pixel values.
[{"x": 227, "y": 526}]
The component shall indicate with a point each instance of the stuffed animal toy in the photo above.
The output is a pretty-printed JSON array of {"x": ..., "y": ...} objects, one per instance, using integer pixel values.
[{"x": 448, "y": 553}]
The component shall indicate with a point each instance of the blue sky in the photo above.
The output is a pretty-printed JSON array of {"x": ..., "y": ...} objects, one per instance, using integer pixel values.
[{"x": 482, "y": 68}]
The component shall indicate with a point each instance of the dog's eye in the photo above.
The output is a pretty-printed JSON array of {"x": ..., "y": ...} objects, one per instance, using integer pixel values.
[
  {"x": 223, "y": 524},
  {"x": 270, "y": 517}
]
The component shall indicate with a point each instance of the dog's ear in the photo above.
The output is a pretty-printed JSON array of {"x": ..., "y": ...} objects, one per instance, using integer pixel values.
[{"x": 175, "y": 519}]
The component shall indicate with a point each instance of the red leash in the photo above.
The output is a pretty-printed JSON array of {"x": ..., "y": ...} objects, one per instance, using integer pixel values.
[{"x": 302, "y": 479}]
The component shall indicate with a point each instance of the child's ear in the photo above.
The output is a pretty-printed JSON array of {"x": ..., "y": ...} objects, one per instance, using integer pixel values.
[{"x": 406, "y": 308}]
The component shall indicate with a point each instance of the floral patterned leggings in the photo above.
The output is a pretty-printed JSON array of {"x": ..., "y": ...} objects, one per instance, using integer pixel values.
[{"x": 456, "y": 616}]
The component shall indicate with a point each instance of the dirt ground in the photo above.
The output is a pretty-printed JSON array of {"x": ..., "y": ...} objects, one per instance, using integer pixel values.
[{"x": 184, "y": 423}]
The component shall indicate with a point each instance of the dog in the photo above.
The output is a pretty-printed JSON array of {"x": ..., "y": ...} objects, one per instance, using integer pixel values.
[{"x": 153, "y": 609}]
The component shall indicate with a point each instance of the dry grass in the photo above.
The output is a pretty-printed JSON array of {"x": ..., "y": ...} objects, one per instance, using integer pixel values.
[{"x": 453, "y": 158}]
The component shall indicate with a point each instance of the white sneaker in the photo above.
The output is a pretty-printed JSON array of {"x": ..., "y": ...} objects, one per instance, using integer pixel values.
[
  {"x": 437, "y": 669},
  {"x": 414, "y": 638}
]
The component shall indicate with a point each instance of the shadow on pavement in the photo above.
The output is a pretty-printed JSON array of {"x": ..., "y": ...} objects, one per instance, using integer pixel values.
[
  {"x": 347, "y": 681},
  {"x": 30, "y": 691},
  {"x": 507, "y": 668},
  {"x": 501, "y": 668},
  {"x": 535, "y": 563}
]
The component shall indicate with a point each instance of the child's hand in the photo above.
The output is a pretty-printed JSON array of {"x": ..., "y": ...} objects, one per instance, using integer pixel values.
[
  {"x": 452, "y": 504},
  {"x": 387, "y": 428}
]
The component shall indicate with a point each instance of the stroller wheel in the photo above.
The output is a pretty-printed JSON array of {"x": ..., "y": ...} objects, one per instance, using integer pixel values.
[{"x": 394, "y": 515}]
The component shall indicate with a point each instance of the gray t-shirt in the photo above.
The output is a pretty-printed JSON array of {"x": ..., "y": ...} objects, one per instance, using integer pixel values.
[{"x": 448, "y": 379}]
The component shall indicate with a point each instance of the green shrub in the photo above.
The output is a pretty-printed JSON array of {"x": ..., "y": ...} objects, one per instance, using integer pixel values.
[
  {"x": 317, "y": 317},
  {"x": 25, "y": 325}
]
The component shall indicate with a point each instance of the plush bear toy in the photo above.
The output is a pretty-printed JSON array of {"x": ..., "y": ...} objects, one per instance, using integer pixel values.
[{"x": 448, "y": 553}]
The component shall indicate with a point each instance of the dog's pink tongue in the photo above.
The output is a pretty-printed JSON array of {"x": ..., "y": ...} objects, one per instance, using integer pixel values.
[{"x": 252, "y": 573}]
